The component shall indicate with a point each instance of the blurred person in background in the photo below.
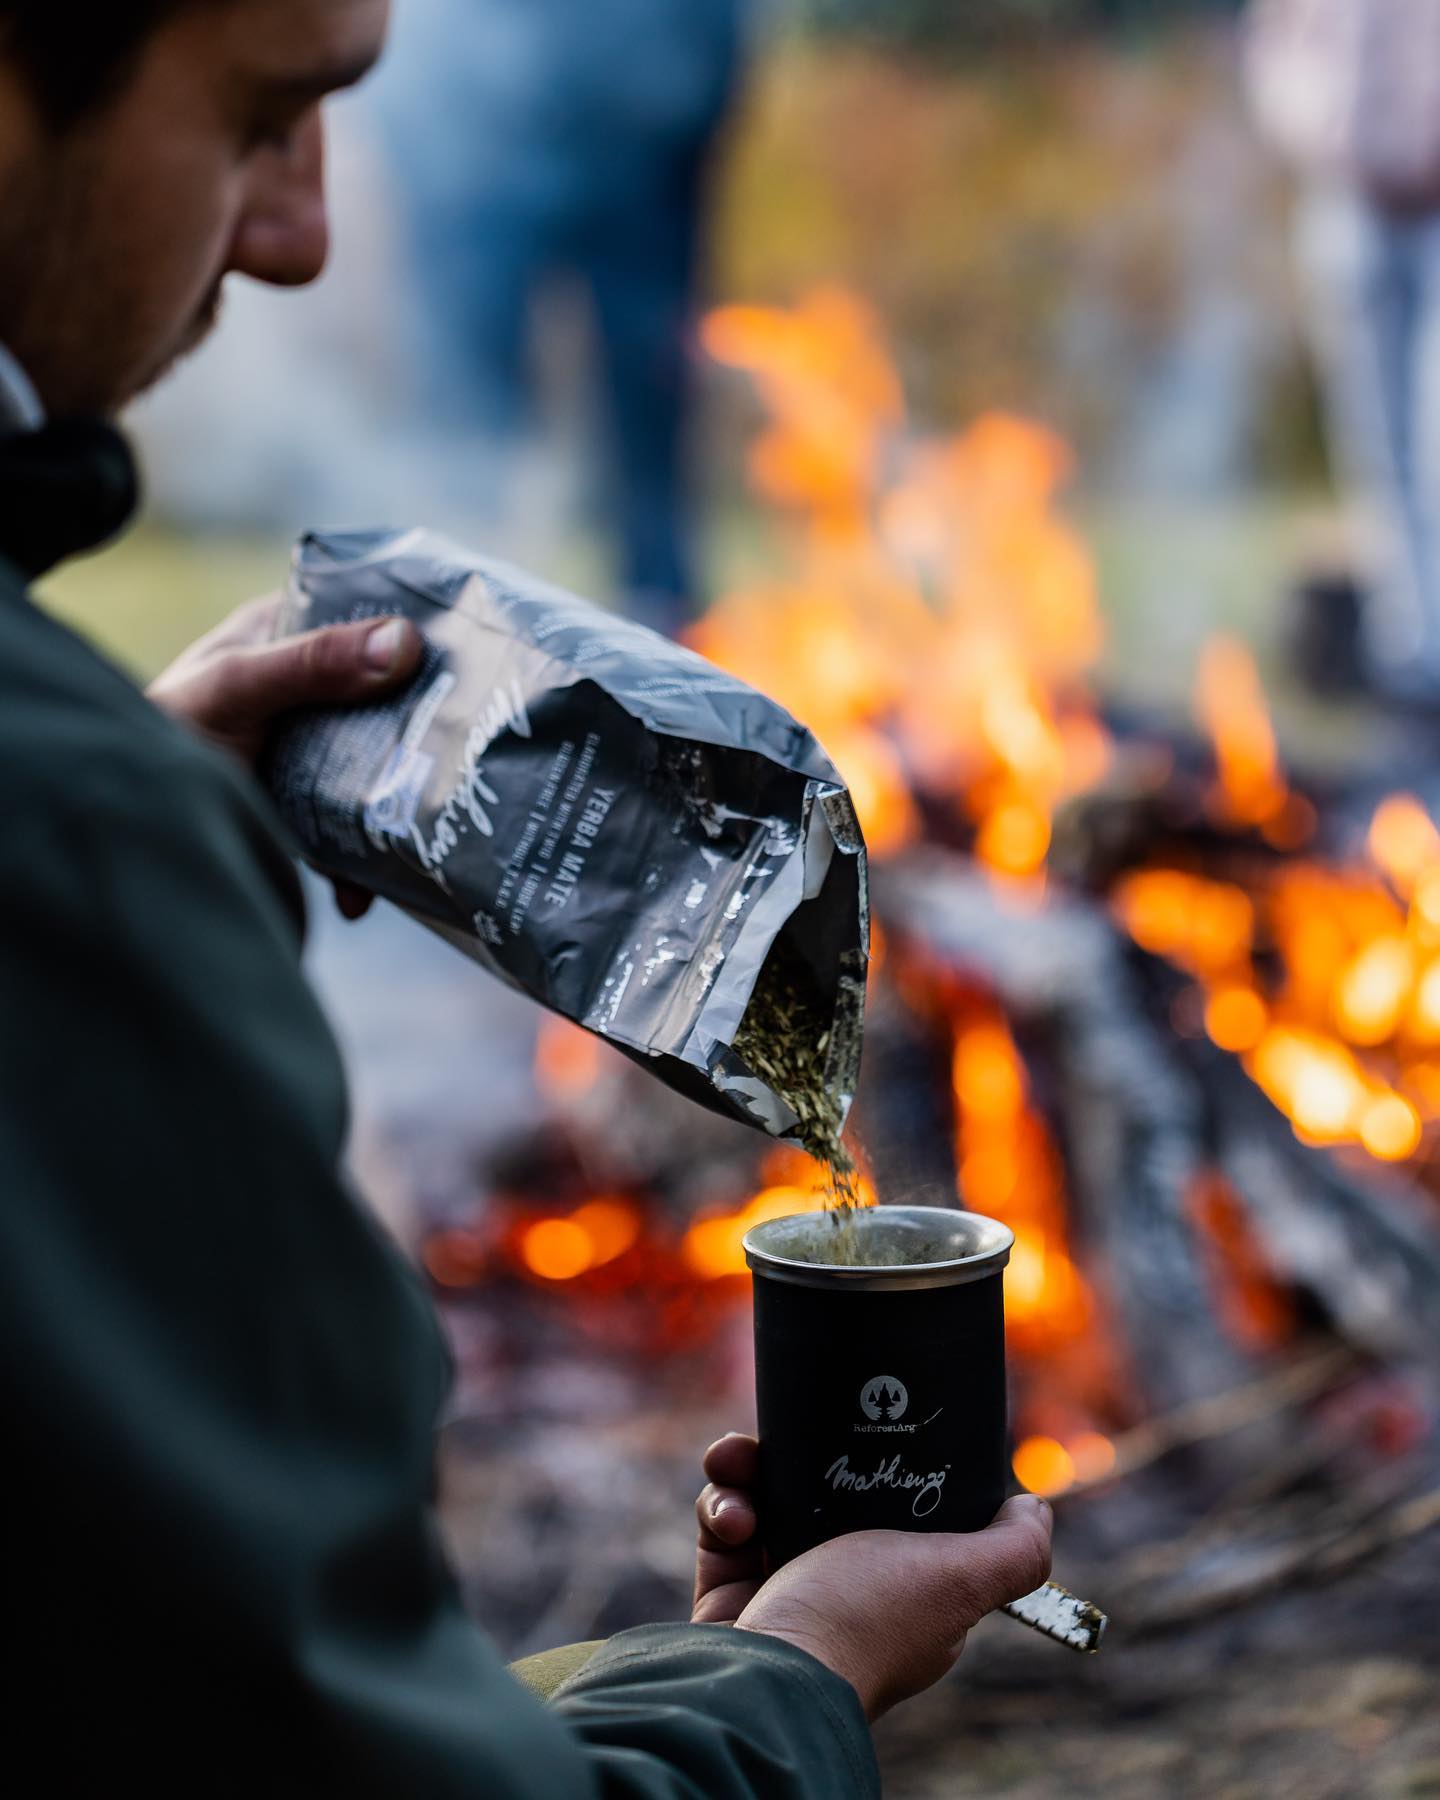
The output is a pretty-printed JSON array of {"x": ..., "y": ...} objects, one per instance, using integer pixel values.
[
  {"x": 221, "y": 1381},
  {"x": 1349, "y": 91},
  {"x": 567, "y": 143}
]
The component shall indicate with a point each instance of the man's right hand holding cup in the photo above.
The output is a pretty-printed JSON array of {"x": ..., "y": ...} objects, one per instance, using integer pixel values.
[{"x": 886, "y": 1610}]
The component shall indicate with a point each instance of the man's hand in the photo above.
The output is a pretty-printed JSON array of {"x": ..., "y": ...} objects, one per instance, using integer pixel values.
[
  {"x": 233, "y": 684},
  {"x": 887, "y": 1610},
  {"x": 729, "y": 1563}
]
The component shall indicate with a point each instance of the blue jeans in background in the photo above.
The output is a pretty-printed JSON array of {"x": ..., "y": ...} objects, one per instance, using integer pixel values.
[
  {"x": 1373, "y": 280},
  {"x": 537, "y": 143}
]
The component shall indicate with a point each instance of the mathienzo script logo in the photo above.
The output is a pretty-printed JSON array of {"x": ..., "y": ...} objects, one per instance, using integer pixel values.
[{"x": 883, "y": 1397}]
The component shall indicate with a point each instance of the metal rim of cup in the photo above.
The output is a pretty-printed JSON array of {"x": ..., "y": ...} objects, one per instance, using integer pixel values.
[{"x": 986, "y": 1253}]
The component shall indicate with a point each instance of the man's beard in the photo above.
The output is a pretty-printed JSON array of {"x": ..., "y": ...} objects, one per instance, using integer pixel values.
[
  {"x": 80, "y": 360},
  {"x": 206, "y": 318}
]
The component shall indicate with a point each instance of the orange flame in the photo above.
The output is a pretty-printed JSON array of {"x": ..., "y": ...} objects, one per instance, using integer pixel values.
[
  {"x": 1044, "y": 1466},
  {"x": 1252, "y": 1302},
  {"x": 1403, "y": 841},
  {"x": 941, "y": 617},
  {"x": 1205, "y": 926},
  {"x": 1230, "y": 704},
  {"x": 713, "y": 1246},
  {"x": 795, "y": 1183},
  {"x": 823, "y": 371},
  {"x": 563, "y": 1248},
  {"x": 1048, "y": 1467},
  {"x": 1009, "y": 1169},
  {"x": 1235, "y": 1018},
  {"x": 1338, "y": 1032}
]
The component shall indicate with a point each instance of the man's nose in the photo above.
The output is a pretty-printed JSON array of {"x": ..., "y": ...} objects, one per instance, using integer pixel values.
[{"x": 284, "y": 235}]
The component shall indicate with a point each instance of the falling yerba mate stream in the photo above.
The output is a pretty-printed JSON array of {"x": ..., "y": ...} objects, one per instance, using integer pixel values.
[{"x": 784, "y": 1037}]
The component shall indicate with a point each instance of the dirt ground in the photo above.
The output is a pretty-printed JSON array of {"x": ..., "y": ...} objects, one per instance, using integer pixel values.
[{"x": 1331, "y": 1694}]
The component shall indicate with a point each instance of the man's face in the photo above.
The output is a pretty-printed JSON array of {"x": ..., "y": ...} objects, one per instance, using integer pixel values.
[{"x": 117, "y": 232}]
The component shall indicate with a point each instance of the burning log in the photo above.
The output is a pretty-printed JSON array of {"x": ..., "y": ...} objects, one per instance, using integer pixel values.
[
  {"x": 1368, "y": 1248},
  {"x": 1150, "y": 1111}
]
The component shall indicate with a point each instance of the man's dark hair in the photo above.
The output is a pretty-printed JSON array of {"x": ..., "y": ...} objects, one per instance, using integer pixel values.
[{"x": 76, "y": 56}]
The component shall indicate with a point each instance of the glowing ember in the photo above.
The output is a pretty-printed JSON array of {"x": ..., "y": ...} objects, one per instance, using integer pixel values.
[
  {"x": 1404, "y": 842},
  {"x": 1425, "y": 907},
  {"x": 1235, "y": 1018},
  {"x": 556, "y": 1249},
  {"x": 1373, "y": 990},
  {"x": 1044, "y": 1466},
  {"x": 1424, "y": 1020},
  {"x": 611, "y": 1226},
  {"x": 597, "y": 1233},
  {"x": 1015, "y": 838},
  {"x": 1390, "y": 1128},
  {"x": 1207, "y": 927},
  {"x": 1315, "y": 1081}
]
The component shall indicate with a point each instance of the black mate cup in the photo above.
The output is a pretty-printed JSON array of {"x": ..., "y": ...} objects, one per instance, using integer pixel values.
[{"x": 880, "y": 1387}]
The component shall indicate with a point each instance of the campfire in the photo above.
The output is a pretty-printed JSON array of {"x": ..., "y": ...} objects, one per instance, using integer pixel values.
[{"x": 1169, "y": 1012}]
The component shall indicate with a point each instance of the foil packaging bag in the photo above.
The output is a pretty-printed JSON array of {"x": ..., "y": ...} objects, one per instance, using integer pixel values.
[{"x": 596, "y": 814}]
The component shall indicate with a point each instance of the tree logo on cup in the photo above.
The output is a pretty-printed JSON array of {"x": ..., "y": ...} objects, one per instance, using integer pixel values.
[{"x": 884, "y": 1397}]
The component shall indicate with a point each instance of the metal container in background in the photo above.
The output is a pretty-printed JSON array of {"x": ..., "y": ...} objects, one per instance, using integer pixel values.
[{"x": 880, "y": 1389}]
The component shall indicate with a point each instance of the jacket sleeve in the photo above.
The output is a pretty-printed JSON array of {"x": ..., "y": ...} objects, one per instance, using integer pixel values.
[
  {"x": 779, "y": 1722},
  {"x": 230, "y": 1380}
]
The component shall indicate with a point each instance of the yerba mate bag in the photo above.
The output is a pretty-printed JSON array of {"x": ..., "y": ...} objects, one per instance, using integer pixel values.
[{"x": 600, "y": 817}]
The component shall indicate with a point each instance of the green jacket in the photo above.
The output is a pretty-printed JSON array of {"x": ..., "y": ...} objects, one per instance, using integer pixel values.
[{"x": 222, "y": 1383}]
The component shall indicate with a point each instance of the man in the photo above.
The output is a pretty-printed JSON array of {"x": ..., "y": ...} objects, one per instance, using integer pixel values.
[
  {"x": 569, "y": 143},
  {"x": 1349, "y": 92},
  {"x": 223, "y": 1572}
]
